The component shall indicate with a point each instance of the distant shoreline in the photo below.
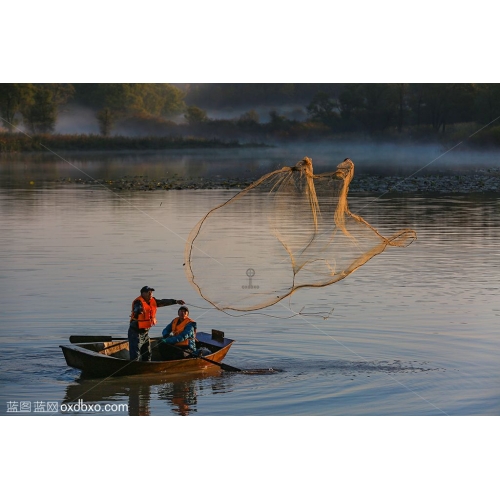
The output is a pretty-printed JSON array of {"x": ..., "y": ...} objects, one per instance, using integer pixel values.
[
  {"x": 481, "y": 180},
  {"x": 485, "y": 181},
  {"x": 21, "y": 143},
  {"x": 82, "y": 143}
]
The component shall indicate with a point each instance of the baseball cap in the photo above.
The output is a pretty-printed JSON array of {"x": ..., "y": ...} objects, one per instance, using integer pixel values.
[{"x": 147, "y": 289}]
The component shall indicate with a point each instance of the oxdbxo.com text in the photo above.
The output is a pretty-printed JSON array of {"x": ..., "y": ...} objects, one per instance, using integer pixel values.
[{"x": 81, "y": 407}]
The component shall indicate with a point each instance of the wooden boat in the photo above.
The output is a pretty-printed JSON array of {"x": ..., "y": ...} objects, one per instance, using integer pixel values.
[{"x": 112, "y": 359}]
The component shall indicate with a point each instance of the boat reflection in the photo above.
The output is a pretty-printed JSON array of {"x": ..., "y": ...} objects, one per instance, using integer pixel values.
[
  {"x": 139, "y": 398},
  {"x": 182, "y": 396},
  {"x": 181, "y": 392}
]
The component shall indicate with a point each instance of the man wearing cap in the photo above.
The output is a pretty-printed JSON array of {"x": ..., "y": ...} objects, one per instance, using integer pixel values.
[{"x": 142, "y": 318}]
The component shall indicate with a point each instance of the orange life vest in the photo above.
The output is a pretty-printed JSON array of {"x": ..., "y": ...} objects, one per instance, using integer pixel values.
[
  {"x": 178, "y": 326},
  {"x": 147, "y": 318}
]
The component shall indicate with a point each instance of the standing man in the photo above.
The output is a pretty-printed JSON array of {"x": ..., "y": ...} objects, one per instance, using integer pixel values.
[{"x": 142, "y": 318}]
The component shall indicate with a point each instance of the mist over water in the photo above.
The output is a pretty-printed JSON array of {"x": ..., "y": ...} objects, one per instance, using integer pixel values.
[
  {"x": 395, "y": 158},
  {"x": 75, "y": 119},
  {"x": 370, "y": 156},
  {"x": 245, "y": 163},
  {"x": 291, "y": 112}
]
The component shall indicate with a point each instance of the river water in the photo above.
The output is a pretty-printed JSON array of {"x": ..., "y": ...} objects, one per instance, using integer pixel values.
[{"x": 412, "y": 332}]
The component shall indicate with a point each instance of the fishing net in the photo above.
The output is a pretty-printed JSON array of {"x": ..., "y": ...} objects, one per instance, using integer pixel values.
[{"x": 289, "y": 230}]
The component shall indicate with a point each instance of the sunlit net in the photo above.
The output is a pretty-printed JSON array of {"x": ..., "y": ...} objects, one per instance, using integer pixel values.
[{"x": 291, "y": 229}]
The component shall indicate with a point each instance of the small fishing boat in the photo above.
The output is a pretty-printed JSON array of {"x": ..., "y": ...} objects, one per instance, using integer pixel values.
[{"x": 111, "y": 358}]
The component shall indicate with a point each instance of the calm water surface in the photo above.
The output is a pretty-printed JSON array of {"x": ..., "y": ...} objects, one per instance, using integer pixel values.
[{"x": 413, "y": 332}]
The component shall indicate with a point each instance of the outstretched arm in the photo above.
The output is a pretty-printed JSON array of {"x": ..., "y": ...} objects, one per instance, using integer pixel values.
[{"x": 168, "y": 302}]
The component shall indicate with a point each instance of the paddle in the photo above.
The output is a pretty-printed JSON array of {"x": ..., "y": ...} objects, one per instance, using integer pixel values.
[{"x": 81, "y": 339}]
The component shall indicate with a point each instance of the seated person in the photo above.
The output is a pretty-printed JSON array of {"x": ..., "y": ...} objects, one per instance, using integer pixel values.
[{"x": 178, "y": 336}]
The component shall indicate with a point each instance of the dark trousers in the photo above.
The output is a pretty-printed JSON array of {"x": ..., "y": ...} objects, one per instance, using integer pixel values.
[{"x": 138, "y": 344}]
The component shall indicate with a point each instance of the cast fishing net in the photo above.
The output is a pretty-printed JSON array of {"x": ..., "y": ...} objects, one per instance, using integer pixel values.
[{"x": 291, "y": 229}]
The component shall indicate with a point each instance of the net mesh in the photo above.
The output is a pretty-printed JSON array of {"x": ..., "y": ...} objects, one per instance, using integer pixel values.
[{"x": 289, "y": 230}]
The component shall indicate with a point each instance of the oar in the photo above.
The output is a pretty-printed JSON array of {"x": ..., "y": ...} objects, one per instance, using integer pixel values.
[{"x": 81, "y": 339}]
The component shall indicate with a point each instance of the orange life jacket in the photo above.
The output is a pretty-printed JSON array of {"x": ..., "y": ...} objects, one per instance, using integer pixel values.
[
  {"x": 147, "y": 318},
  {"x": 178, "y": 326}
]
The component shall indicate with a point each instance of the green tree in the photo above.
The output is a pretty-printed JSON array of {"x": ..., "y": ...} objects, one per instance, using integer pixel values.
[
  {"x": 416, "y": 95},
  {"x": 250, "y": 117},
  {"x": 369, "y": 106},
  {"x": 449, "y": 103},
  {"x": 324, "y": 109},
  {"x": 13, "y": 98},
  {"x": 249, "y": 122},
  {"x": 41, "y": 114},
  {"x": 487, "y": 105},
  {"x": 195, "y": 115},
  {"x": 401, "y": 90},
  {"x": 157, "y": 99},
  {"x": 381, "y": 105},
  {"x": 123, "y": 100},
  {"x": 172, "y": 100},
  {"x": 106, "y": 118},
  {"x": 277, "y": 120},
  {"x": 351, "y": 102}
]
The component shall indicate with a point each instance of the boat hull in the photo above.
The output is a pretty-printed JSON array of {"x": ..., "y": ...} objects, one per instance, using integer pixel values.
[{"x": 111, "y": 359}]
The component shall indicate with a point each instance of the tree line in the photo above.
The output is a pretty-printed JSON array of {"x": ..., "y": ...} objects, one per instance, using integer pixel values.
[
  {"x": 365, "y": 107},
  {"x": 37, "y": 105},
  {"x": 358, "y": 108}
]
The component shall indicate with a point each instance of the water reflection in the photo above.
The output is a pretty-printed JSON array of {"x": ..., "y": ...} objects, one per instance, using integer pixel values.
[
  {"x": 33, "y": 169},
  {"x": 182, "y": 396},
  {"x": 181, "y": 393},
  {"x": 139, "y": 400}
]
